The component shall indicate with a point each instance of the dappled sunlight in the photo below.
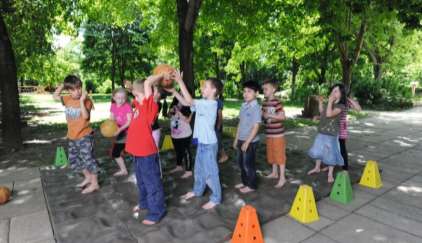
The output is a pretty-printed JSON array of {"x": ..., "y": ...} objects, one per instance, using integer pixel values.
[
  {"x": 37, "y": 141},
  {"x": 409, "y": 189},
  {"x": 361, "y": 131},
  {"x": 402, "y": 143}
]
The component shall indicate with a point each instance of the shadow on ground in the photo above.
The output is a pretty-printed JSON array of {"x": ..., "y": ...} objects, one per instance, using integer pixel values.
[{"x": 106, "y": 216}]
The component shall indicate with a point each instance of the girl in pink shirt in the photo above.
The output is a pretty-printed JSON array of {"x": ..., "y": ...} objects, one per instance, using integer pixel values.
[{"x": 121, "y": 112}]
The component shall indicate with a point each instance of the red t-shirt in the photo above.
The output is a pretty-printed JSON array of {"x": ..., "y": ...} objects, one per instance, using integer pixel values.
[{"x": 139, "y": 140}]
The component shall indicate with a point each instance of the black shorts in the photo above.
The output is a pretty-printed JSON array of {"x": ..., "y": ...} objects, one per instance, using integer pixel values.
[{"x": 117, "y": 150}]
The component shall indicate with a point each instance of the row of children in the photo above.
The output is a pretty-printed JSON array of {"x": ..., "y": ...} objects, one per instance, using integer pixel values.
[{"x": 138, "y": 122}]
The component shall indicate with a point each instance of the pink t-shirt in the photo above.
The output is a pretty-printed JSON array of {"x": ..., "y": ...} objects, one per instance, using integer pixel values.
[{"x": 120, "y": 113}]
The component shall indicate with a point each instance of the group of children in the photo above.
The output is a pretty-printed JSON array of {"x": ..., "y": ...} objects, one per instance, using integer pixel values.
[{"x": 138, "y": 135}]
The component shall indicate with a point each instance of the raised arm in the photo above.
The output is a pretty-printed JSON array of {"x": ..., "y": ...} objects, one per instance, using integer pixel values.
[
  {"x": 84, "y": 110},
  {"x": 186, "y": 97},
  {"x": 57, "y": 92},
  {"x": 149, "y": 82},
  {"x": 330, "y": 111},
  {"x": 354, "y": 104}
]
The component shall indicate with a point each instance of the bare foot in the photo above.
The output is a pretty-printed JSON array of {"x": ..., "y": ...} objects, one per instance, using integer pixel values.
[
  {"x": 330, "y": 179},
  {"x": 90, "y": 188},
  {"x": 209, "y": 205},
  {"x": 178, "y": 168},
  {"x": 120, "y": 173},
  {"x": 313, "y": 171},
  {"x": 246, "y": 189},
  {"x": 148, "y": 222},
  {"x": 188, "y": 196},
  {"x": 324, "y": 169},
  {"x": 271, "y": 176},
  {"x": 240, "y": 185},
  {"x": 137, "y": 209},
  {"x": 223, "y": 159},
  {"x": 280, "y": 184},
  {"x": 83, "y": 183},
  {"x": 187, "y": 174}
]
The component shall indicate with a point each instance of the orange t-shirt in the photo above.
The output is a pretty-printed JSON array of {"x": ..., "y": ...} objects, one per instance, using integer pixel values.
[{"x": 77, "y": 127}]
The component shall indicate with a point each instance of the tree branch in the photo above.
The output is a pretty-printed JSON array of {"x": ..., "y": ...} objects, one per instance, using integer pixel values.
[{"x": 359, "y": 41}]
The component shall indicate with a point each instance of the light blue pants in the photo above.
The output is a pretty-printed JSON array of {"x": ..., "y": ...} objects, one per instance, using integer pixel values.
[{"x": 206, "y": 172}]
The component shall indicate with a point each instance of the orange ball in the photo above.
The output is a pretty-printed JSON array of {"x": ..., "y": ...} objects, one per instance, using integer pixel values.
[
  {"x": 108, "y": 128},
  {"x": 164, "y": 68},
  {"x": 4, "y": 194}
]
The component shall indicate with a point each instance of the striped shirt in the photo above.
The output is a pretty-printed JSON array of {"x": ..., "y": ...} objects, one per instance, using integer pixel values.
[
  {"x": 343, "y": 133},
  {"x": 273, "y": 128}
]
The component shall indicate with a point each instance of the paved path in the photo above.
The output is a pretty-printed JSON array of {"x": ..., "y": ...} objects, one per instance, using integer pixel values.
[{"x": 391, "y": 214}]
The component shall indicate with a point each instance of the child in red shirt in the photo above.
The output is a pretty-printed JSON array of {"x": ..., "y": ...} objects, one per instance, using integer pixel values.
[{"x": 141, "y": 145}]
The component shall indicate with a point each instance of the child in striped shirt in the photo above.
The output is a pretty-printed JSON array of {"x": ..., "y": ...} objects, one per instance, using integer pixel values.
[{"x": 273, "y": 115}]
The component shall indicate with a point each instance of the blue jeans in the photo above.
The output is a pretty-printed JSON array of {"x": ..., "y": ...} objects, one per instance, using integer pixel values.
[
  {"x": 206, "y": 172},
  {"x": 151, "y": 192},
  {"x": 246, "y": 162}
]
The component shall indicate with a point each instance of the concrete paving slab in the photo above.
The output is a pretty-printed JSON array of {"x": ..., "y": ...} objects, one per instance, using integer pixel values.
[
  {"x": 27, "y": 198},
  {"x": 285, "y": 229},
  {"x": 355, "y": 228},
  {"x": 321, "y": 223},
  {"x": 7, "y": 176},
  {"x": 4, "y": 230},
  {"x": 31, "y": 228},
  {"x": 329, "y": 211},
  {"x": 318, "y": 238},
  {"x": 398, "y": 208},
  {"x": 394, "y": 220},
  {"x": 359, "y": 198}
]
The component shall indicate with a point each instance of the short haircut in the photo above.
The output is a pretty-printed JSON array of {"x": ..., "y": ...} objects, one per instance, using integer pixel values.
[
  {"x": 271, "y": 82},
  {"x": 72, "y": 82},
  {"x": 138, "y": 85},
  {"x": 251, "y": 85},
  {"x": 217, "y": 84}
]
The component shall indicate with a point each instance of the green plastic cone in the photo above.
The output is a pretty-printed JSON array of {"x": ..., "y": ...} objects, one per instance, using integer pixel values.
[
  {"x": 342, "y": 188},
  {"x": 61, "y": 159}
]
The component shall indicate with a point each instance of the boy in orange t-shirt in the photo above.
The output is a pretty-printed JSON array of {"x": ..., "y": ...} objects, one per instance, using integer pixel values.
[{"x": 81, "y": 139}]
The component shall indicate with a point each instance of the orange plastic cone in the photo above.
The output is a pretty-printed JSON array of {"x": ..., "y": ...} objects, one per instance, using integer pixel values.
[{"x": 247, "y": 228}]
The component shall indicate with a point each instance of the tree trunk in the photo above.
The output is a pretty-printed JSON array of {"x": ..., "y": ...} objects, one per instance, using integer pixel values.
[
  {"x": 217, "y": 67},
  {"x": 187, "y": 12},
  {"x": 10, "y": 114},
  {"x": 295, "y": 70},
  {"x": 346, "y": 69},
  {"x": 377, "y": 67},
  {"x": 113, "y": 60}
]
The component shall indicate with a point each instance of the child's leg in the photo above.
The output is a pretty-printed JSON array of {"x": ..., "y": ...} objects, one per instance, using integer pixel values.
[
  {"x": 240, "y": 161},
  {"x": 187, "y": 157},
  {"x": 199, "y": 179},
  {"x": 344, "y": 154},
  {"x": 142, "y": 195},
  {"x": 330, "y": 174},
  {"x": 212, "y": 176},
  {"x": 270, "y": 158},
  {"x": 316, "y": 169},
  {"x": 150, "y": 177},
  {"x": 75, "y": 162},
  {"x": 90, "y": 163},
  {"x": 250, "y": 171},
  {"x": 179, "y": 149},
  {"x": 116, "y": 154},
  {"x": 282, "y": 179}
]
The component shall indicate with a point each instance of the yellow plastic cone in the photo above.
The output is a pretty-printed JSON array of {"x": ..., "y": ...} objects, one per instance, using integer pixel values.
[
  {"x": 371, "y": 176},
  {"x": 167, "y": 143},
  {"x": 304, "y": 208}
]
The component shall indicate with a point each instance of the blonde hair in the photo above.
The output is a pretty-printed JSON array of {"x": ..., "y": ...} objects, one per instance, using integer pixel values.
[
  {"x": 118, "y": 90},
  {"x": 138, "y": 85}
]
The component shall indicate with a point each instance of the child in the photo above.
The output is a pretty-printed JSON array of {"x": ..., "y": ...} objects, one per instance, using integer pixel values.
[
  {"x": 246, "y": 137},
  {"x": 141, "y": 145},
  {"x": 121, "y": 112},
  {"x": 181, "y": 134},
  {"x": 219, "y": 129},
  {"x": 206, "y": 168},
  {"x": 273, "y": 114},
  {"x": 326, "y": 146},
  {"x": 156, "y": 130},
  {"x": 343, "y": 134},
  {"x": 81, "y": 139}
]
